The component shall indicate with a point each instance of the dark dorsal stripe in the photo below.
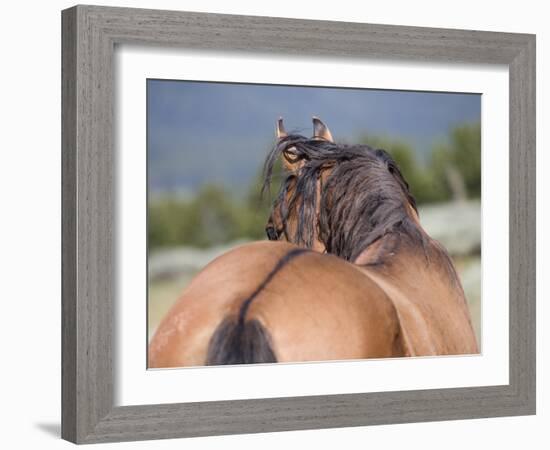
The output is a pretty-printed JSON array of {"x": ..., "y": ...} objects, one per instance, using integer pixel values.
[{"x": 280, "y": 264}]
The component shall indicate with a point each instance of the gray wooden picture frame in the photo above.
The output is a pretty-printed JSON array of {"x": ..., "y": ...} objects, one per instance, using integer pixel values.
[{"x": 90, "y": 34}]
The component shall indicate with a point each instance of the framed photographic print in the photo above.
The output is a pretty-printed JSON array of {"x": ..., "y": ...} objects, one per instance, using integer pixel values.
[{"x": 265, "y": 229}]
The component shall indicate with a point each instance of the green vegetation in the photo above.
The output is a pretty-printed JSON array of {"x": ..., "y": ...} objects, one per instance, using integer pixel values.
[{"x": 213, "y": 217}]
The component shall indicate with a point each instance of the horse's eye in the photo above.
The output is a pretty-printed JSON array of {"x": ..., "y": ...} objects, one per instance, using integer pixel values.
[
  {"x": 291, "y": 156},
  {"x": 271, "y": 233}
]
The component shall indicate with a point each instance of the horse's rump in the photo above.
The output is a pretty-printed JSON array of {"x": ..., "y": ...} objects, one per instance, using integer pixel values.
[{"x": 290, "y": 313}]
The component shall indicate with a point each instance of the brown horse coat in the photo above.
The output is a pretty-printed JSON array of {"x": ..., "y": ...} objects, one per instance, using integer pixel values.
[{"x": 310, "y": 314}]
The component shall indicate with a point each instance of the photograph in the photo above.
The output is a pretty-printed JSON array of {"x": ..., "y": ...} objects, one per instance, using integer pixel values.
[
  {"x": 294, "y": 224},
  {"x": 282, "y": 221}
]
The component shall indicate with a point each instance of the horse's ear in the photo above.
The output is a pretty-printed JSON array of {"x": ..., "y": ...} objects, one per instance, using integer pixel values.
[
  {"x": 321, "y": 131},
  {"x": 280, "y": 131}
]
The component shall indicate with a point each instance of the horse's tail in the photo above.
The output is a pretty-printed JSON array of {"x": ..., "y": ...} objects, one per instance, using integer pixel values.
[{"x": 236, "y": 341}]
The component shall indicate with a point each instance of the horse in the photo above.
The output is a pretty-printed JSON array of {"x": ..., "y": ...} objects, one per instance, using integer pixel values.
[{"x": 347, "y": 272}]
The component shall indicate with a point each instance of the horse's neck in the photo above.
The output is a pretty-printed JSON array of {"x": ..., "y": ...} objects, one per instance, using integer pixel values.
[
  {"x": 397, "y": 257},
  {"x": 377, "y": 252},
  {"x": 388, "y": 247}
]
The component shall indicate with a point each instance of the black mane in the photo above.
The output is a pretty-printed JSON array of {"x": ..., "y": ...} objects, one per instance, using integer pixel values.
[{"x": 364, "y": 197}]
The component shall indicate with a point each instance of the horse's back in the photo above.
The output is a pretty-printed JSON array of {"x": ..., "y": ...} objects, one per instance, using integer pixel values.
[
  {"x": 306, "y": 305},
  {"x": 322, "y": 308}
]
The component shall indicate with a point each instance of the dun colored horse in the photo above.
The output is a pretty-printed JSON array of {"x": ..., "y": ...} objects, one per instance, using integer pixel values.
[{"x": 351, "y": 273}]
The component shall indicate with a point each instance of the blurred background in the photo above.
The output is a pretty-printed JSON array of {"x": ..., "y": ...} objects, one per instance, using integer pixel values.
[{"x": 206, "y": 144}]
